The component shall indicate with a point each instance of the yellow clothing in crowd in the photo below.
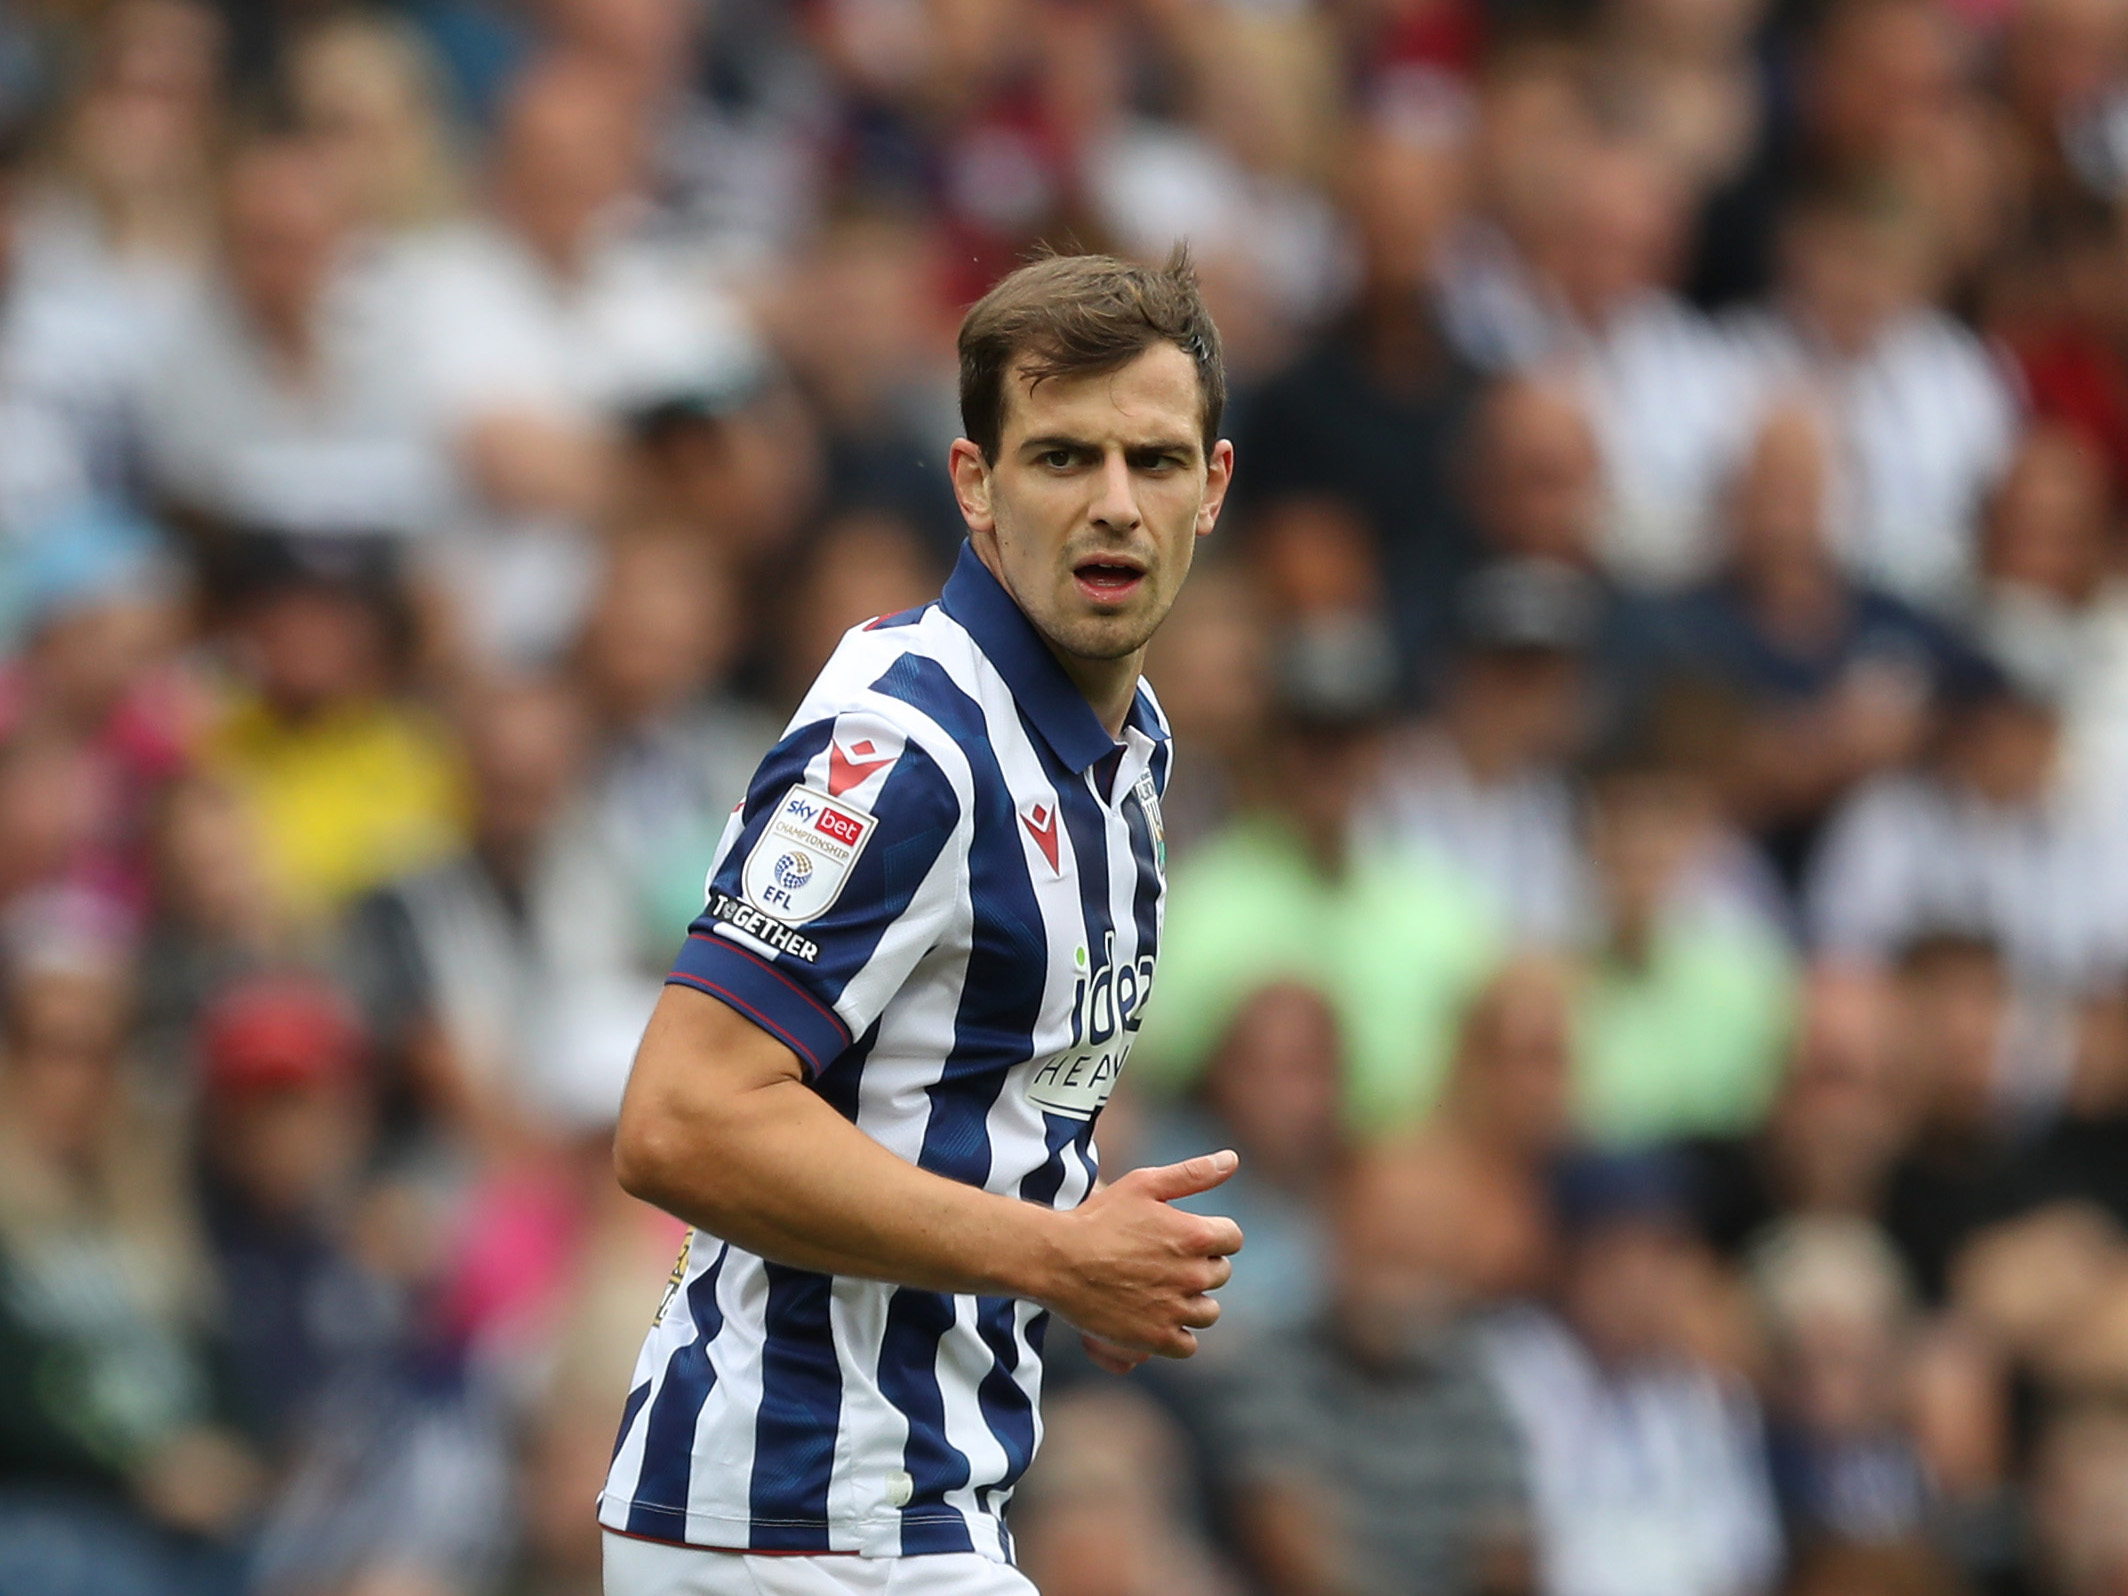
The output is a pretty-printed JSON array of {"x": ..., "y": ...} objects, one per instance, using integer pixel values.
[{"x": 346, "y": 799}]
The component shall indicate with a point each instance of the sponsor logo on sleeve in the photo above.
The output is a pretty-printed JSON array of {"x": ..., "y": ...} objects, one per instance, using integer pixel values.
[{"x": 803, "y": 857}]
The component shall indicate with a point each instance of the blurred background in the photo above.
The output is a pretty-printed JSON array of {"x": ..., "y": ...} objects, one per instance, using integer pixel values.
[{"x": 1649, "y": 862}]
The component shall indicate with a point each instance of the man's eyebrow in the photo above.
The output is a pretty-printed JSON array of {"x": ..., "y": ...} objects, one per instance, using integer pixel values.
[{"x": 1044, "y": 444}]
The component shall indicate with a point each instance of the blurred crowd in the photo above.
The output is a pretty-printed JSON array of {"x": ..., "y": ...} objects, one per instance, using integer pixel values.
[{"x": 1649, "y": 894}]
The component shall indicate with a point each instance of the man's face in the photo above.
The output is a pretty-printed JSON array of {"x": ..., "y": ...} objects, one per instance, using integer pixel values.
[{"x": 1099, "y": 493}]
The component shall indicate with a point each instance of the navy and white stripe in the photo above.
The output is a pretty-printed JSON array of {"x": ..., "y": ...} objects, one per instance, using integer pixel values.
[{"x": 966, "y": 1000}]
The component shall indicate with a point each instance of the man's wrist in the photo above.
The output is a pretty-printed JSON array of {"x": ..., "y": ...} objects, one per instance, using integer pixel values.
[{"x": 1031, "y": 1256}]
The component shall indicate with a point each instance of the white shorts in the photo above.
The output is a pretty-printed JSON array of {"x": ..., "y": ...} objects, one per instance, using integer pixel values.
[{"x": 658, "y": 1568}]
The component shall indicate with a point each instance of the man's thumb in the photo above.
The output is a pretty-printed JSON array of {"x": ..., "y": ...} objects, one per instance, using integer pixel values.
[{"x": 1191, "y": 1176}]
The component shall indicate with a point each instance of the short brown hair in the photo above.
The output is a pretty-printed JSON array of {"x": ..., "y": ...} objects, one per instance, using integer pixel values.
[{"x": 1079, "y": 315}]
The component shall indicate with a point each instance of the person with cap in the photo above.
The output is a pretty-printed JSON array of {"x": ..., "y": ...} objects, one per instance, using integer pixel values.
[
  {"x": 1647, "y": 1469},
  {"x": 343, "y": 1369},
  {"x": 1484, "y": 782},
  {"x": 285, "y": 1122},
  {"x": 1294, "y": 886}
]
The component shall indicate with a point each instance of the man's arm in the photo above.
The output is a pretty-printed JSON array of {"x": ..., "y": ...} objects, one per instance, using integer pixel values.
[{"x": 719, "y": 1128}]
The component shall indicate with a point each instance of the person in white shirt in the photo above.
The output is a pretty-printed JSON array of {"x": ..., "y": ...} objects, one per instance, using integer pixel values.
[
  {"x": 1646, "y": 1466},
  {"x": 1662, "y": 388},
  {"x": 1924, "y": 411},
  {"x": 1988, "y": 838},
  {"x": 275, "y": 402},
  {"x": 537, "y": 328},
  {"x": 2047, "y": 570}
]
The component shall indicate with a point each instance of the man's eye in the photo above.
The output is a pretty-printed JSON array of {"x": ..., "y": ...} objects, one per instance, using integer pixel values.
[{"x": 1057, "y": 459}]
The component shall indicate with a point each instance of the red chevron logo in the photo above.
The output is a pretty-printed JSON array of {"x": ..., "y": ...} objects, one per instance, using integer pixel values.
[
  {"x": 847, "y": 770},
  {"x": 1041, "y": 824}
]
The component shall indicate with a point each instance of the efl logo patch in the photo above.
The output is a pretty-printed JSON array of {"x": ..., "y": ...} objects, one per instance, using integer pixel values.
[{"x": 804, "y": 855}]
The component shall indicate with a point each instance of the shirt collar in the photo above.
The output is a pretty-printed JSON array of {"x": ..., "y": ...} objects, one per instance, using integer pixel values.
[{"x": 1051, "y": 701}]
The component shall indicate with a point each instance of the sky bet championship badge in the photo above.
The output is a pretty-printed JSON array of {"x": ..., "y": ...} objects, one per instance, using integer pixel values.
[{"x": 804, "y": 856}]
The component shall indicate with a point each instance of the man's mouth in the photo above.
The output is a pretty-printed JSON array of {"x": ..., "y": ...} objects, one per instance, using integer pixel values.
[{"x": 1108, "y": 581}]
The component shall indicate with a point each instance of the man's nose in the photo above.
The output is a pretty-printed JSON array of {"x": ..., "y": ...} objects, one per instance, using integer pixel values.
[{"x": 1116, "y": 502}]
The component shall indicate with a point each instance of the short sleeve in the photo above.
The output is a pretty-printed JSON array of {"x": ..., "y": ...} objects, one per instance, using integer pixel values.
[{"x": 837, "y": 875}]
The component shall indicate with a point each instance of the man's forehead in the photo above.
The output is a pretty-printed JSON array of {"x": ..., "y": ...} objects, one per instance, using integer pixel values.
[{"x": 1155, "y": 394}]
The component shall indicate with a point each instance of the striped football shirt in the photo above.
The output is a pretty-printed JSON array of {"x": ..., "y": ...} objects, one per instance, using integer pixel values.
[{"x": 943, "y": 893}]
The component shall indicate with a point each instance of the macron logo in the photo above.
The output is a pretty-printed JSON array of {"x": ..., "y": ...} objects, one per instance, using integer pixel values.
[
  {"x": 1041, "y": 823},
  {"x": 847, "y": 770}
]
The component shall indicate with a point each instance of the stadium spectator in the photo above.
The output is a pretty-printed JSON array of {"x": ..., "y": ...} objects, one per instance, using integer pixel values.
[
  {"x": 1483, "y": 785},
  {"x": 285, "y": 1137},
  {"x": 276, "y": 401},
  {"x": 535, "y": 329},
  {"x": 1663, "y": 392},
  {"x": 351, "y": 781},
  {"x": 1840, "y": 1327},
  {"x": 1273, "y": 1090},
  {"x": 1212, "y": 660},
  {"x": 1506, "y": 1117},
  {"x": 1646, "y": 1468},
  {"x": 1369, "y": 419},
  {"x": 1396, "y": 939},
  {"x": 1369, "y": 1452},
  {"x": 95, "y": 673},
  {"x": 2049, "y": 578},
  {"x": 1104, "y": 1511},
  {"x": 1687, "y": 997},
  {"x": 1952, "y": 1054},
  {"x": 1835, "y": 679},
  {"x": 118, "y": 1470},
  {"x": 1828, "y": 1144},
  {"x": 675, "y": 745},
  {"x": 215, "y": 916},
  {"x": 2080, "y": 1475},
  {"x": 367, "y": 93},
  {"x": 1921, "y": 408},
  {"x": 112, "y": 243},
  {"x": 2063, "y": 321},
  {"x": 459, "y": 964},
  {"x": 1987, "y": 836},
  {"x": 860, "y": 322}
]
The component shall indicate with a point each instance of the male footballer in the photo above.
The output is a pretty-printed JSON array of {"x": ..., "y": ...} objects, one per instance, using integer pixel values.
[{"x": 872, "y": 1080}]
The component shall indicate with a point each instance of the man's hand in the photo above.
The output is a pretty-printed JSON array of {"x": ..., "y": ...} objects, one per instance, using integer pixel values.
[
  {"x": 1134, "y": 1274},
  {"x": 1110, "y": 1358}
]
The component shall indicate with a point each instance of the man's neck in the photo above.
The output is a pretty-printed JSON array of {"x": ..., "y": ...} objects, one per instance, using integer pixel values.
[{"x": 1110, "y": 685}]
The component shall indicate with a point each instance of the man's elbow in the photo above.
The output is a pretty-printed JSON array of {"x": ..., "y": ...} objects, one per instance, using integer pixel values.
[{"x": 648, "y": 1154}]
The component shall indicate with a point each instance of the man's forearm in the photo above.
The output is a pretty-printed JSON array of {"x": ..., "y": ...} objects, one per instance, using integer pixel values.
[{"x": 772, "y": 1168}]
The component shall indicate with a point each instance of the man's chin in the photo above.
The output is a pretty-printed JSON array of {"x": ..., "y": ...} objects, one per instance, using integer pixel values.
[{"x": 1111, "y": 638}]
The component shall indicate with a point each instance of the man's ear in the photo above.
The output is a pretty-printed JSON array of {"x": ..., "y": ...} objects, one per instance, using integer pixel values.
[
  {"x": 971, "y": 485},
  {"x": 1218, "y": 477}
]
